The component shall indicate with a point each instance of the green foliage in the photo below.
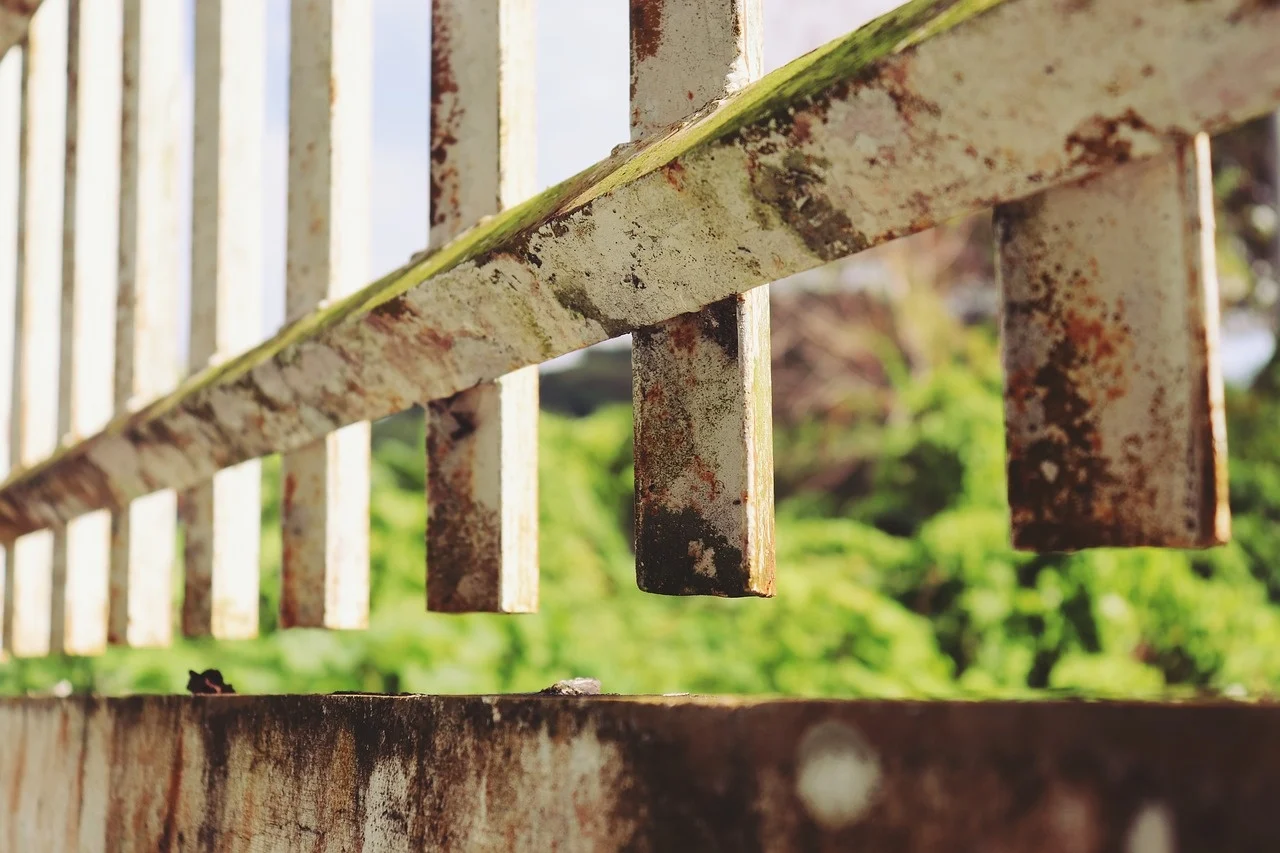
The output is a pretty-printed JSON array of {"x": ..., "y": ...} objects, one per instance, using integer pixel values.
[{"x": 905, "y": 587}]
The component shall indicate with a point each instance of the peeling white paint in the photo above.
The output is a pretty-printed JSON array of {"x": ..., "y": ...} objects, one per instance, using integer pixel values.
[
  {"x": 82, "y": 551},
  {"x": 146, "y": 351},
  {"x": 325, "y": 513},
  {"x": 482, "y": 465},
  {"x": 222, "y": 517},
  {"x": 701, "y": 392}
]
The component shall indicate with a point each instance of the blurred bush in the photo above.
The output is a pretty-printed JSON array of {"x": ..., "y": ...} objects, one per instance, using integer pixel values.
[{"x": 902, "y": 584}]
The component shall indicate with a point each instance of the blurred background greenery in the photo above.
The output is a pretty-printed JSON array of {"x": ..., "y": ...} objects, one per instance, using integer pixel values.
[{"x": 895, "y": 575}]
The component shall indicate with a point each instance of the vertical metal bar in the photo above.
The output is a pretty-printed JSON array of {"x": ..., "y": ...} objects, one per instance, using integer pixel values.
[
  {"x": 39, "y": 271},
  {"x": 1113, "y": 399},
  {"x": 701, "y": 385},
  {"x": 81, "y": 553},
  {"x": 144, "y": 538},
  {"x": 325, "y": 512},
  {"x": 10, "y": 179},
  {"x": 222, "y": 517},
  {"x": 482, "y": 444}
]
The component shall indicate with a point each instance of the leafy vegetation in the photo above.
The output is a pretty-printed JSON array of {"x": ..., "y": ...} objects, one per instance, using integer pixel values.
[{"x": 902, "y": 585}]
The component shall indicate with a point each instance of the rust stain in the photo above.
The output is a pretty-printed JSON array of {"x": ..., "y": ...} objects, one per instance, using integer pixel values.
[
  {"x": 684, "y": 332},
  {"x": 444, "y": 180},
  {"x": 891, "y": 76},
  {"x": 19, "y": 772},
  {"x": 674, "y": 173},
  {"x": 646, "y": 28},
  {"x": 392, "y": 315},
  {"x": 291, "y": 593},
  {"x": 464, "y": 537},
  {"x": 1099, "y": 142},
  {"x": 801, "y": 129},
  {"x": 433, "y": 341},
  {"x": 707, "y": 476},
  {"x": 663, "y": 774},
  {"x": 170, "y": 839},
  {"x": 1067, "y": 488}
]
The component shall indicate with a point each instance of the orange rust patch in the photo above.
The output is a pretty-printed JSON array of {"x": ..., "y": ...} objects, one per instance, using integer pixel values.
[
  {"x": 801, "y": 129},
  {"x": 684, "y": 335},
  {"x": 707, "y": 477},
  {"x": 443, "y": 178},
  {"x": 463, "y": 536},
  {"x": 674, "y": 173},
  {"x": 1097, "y": 142},
  {"x": 646, "y": 28},
  {"x": 290, "y": 490}
]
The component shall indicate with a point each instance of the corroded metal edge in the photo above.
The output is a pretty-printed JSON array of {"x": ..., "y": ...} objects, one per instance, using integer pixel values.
[
  {"x": 703, "y": 439},
  {"x": 1113, "y": 394},
  {"x": 927, "y": 114},
  {"x": 482, "y": 443},
  {"x": 649, "y": 774}
]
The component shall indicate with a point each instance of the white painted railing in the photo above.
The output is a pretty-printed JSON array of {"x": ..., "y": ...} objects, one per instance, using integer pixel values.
[{"x": 1083, "y": 126}]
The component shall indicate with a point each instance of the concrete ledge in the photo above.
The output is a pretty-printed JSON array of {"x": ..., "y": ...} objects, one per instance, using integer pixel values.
[{"x": 614, "y": 773}]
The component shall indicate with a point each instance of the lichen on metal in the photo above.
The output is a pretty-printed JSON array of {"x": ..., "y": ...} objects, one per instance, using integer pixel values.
[
  {"x": 700, "y": 381},
  {"x": 1113, "y": 394},
  {"x": 482, "y": 443},
  {"x": 144, "y": 533},
  {"x": 324, "y": 515},
  {"x": 222, "y": 517},
  {"x": 82, "y": 550},
  {"x": 926, "y": 114}
]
